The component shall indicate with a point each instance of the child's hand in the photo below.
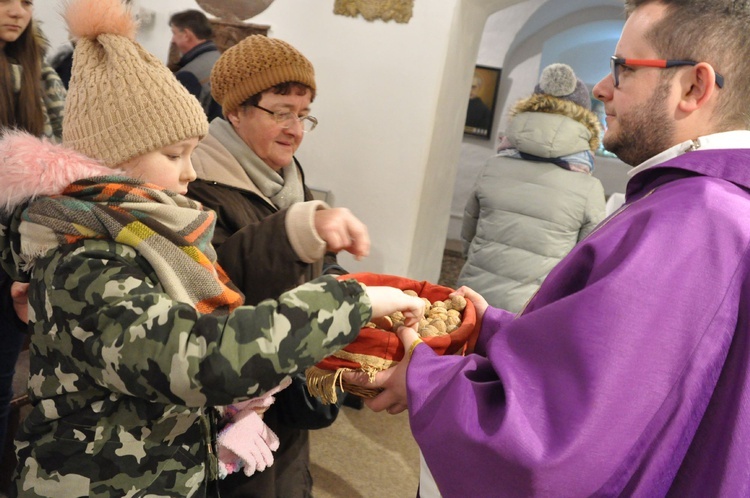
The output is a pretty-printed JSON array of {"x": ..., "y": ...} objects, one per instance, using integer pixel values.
[
  {"x": 19, "y": 292},
  {"x": 388, "y": 300}
]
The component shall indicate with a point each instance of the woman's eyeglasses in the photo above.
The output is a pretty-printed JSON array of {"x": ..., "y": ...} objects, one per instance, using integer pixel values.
[{"x": 288, "y": 119}]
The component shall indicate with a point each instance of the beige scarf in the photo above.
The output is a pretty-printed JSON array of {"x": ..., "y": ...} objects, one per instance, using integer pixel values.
[{"x": 282, "y": 189}]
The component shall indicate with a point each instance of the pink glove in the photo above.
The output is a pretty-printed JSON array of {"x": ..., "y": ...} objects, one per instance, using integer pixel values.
[{"x": 246, "y": 441}]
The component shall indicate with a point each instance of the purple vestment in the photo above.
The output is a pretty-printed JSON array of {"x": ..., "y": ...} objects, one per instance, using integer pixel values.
[{"x": 627, "y": 373}]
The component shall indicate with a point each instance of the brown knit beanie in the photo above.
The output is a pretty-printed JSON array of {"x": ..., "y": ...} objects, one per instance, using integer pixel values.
[
  {"x": 122, "y": 102},
  {"x": 255, "y": 64}
]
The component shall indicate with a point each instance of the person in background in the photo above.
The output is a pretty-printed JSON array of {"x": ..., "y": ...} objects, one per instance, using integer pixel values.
[
  {"x": 31, "y": 99},
  {"x": 31, "y": 93},
  {"x": 271, "y": 235},
  {"x": 627, "y": 374},
  {"x": 62, "y": 62},
  {"x": 192, "y": 35},
  {"x": 536, "y": 199},
  {"x": 137, "y": 336}
]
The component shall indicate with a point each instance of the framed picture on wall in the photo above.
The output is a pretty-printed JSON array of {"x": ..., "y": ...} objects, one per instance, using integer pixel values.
[{"x": 482, "y": 100}]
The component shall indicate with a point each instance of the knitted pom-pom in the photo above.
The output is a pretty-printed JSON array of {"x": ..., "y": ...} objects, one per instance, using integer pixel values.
[
  {"x": 91, "y": 18},
  {"x": 558, "y": 80}
]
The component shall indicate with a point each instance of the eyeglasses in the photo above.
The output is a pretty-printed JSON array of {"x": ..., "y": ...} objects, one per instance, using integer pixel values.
[
  {"x": 616, "y": 62},
  {"x": 287, "y": 119}
]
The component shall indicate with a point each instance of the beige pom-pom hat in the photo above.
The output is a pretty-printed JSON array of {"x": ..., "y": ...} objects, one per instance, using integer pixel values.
[{"x": 122, "y": 102}]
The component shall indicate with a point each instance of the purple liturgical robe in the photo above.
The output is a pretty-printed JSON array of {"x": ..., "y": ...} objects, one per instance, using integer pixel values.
[{"x": 628, "y": 372}]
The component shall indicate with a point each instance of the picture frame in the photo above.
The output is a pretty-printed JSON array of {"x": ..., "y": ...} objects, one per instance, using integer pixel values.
[{"x": 480, "y": 113}]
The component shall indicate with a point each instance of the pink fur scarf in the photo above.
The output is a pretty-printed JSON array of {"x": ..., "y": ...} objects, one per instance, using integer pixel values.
[{"x": 32, "y": 167}]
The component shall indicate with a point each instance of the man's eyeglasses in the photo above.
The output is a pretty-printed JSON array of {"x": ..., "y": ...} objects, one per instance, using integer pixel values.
[
  {"x": 616, "y": 62},
  {"x": 287, "y": 119}
]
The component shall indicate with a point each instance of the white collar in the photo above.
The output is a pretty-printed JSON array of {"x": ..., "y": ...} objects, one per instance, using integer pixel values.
[{"x": 735, "y": 139}]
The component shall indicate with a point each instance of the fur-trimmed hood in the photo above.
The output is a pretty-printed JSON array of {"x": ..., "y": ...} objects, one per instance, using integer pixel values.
[
  {"x": 553, "y": 105},
  {"x": 31, "y": 167}
]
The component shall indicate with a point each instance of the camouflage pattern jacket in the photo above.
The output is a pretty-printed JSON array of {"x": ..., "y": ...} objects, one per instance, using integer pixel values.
[{"x": 122, "y": 377}]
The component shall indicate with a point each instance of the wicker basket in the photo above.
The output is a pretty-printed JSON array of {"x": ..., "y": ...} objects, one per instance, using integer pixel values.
[{"x": 376, "y": 349}]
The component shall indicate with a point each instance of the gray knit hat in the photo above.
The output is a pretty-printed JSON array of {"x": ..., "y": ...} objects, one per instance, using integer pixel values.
[{"x": 559, "y": 80}]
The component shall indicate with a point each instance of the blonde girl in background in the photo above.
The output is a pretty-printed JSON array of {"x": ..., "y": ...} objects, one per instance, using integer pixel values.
[
  {"x": 31, "y": 93},
  {"x": 31, "y": 99}
]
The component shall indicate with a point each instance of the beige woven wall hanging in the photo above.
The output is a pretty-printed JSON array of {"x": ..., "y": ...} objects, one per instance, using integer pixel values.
[{"x": 398, "y": 10}]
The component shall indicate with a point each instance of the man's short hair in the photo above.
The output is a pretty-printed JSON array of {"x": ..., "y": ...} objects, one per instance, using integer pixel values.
[
  {"x": 194, "y": 20},
  {"x": 712, "y": 31}
]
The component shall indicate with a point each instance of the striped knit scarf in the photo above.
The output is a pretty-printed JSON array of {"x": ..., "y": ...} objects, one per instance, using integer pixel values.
[{"x": 172, "y": 232}]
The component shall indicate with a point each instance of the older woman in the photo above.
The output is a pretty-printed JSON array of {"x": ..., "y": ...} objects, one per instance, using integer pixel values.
[{"x": 270, "y": 234}]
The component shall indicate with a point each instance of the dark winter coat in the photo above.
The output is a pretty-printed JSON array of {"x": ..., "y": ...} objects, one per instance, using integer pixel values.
[{"x": 250, "y": 228}]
